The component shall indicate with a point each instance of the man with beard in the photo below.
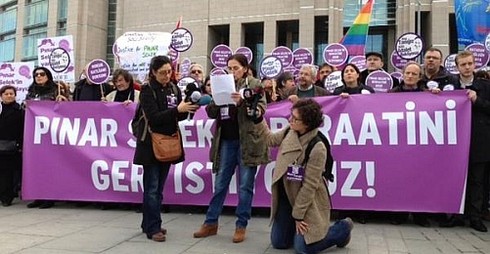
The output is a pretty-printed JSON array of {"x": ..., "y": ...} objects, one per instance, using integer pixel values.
[{"x": 305, "y": 86}]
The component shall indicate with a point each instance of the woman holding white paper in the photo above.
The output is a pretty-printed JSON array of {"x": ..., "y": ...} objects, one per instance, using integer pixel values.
[{"x": 236, "y": 143}]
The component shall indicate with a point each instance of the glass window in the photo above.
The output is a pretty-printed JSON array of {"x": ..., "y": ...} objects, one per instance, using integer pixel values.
[
  {"x": 321, "y": 38},
  {"x": 2, "y": 2},
  {"x": 29, "y": 47},
  {"x": 36, "y": 13},
  {"x": 288, "y": 34},
  {"x": 7, "y": 50},
  {"x": 8, "y": 20},
  {"x": 62, "y": 9},
  {"x": 383, "y": 12},
  {"x": 254, "y": 40}
]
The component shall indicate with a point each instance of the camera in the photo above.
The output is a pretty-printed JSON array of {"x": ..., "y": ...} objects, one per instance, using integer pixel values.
[{"x": 251, "y": 96}]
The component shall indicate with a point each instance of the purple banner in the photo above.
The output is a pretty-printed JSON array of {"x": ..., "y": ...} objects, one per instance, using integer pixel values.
[{"x": 387, "y": 150}]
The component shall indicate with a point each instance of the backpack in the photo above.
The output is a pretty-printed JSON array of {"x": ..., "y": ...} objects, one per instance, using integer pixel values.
[
  {"x": 139, "y": 115},
  {"x": 327, "y": 173}
]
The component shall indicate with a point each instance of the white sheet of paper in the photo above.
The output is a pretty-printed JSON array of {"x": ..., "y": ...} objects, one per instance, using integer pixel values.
[{"x": 221, "y": 88}]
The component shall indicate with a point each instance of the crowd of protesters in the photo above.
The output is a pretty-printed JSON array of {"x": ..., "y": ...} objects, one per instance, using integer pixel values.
[{"x": 241, "y": 141}]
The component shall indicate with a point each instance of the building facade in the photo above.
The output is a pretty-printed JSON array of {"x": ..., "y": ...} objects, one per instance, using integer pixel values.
[{"x": 259, "y": 25}]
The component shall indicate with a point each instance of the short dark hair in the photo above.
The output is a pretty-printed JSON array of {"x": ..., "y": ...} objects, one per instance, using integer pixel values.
[
  {"x": 432, "y": 49},
  {"x": 242, "y": 60},
  {"x": 7, "y": 87},
  {"x": 156, "y": 63},
  {"x": 122, "y": 72},
  {"x": 285, "y": 76},
  {"x": 310, "y": 112}
]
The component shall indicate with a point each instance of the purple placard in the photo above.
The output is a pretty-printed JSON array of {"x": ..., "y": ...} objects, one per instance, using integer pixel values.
[
  {"x": 185, "y": 67},
  {"x": 380, "y": 81},
  {"x": 450, "y": 64},
  {"x": 246, "y": 52},
  {"x": 397, "y": 61},
  {"x": 335, "y": 54},
  {"x": 333, "y": 81},
  {"x": 397, "y": 75},
  {"x": 220, "y": 55},
  {"x": 487, "y": 42},
  {"x": 270, "y": 67},
  {"x": 302, "y": 56},
  {"x": 218, "y": 71},
  {"x": 98, "y": 71},
  {"x": 481, "y": 54},
  {"x": 283, "y": 53},
  {"x": 181, "y": 39},
  {"x": 372, "y": 144},
  {"x": 409, "y": 46},
  {"x": 359, "y": 61}
]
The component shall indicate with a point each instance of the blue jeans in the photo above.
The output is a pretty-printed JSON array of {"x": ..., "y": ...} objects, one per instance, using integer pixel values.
[
  {"x": 230, "y": 158},
  {"x": 154, "y": 177},
  {"x": 283, "y": 233}
]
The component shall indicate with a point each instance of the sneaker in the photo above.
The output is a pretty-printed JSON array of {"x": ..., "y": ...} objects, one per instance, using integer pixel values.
[{"x": 350, "y": 225}]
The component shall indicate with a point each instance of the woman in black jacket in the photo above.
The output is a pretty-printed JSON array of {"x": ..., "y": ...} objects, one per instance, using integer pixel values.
[
  {"x": 11, "y": 133},
  {"x": 161, "y": 102}
]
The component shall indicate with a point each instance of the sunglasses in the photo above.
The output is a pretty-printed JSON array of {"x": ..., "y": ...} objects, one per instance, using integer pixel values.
[
  {"x": 40, "y": 74},
  {"x": 196, "y": 71}
]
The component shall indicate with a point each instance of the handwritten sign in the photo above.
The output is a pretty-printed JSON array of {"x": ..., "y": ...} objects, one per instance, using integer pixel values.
[
  {"x": 450, "y": 64},
  {"x": 181, "y": 40},
  {"x": 134, "y": 50},
  {"x": 57, "y": 55},
  {"x": 333, "y": 81},
  {"x": 409, "y": 46},
  {"x": 270, "y": 67}
]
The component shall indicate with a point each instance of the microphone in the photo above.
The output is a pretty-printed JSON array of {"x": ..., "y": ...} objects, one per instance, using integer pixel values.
[
  {"x": 195, "y": 97},
  {"x": 204, "y": 100}
]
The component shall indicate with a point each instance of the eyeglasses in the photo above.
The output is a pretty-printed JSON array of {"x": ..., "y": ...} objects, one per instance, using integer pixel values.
[
  {"x": 233, "y": 68},
  {"x": 196, "y": 71},
  {"x": 164, "y": 72},
  {"x": 40, "y": 74},
  {"x": 293, "y": 119}
]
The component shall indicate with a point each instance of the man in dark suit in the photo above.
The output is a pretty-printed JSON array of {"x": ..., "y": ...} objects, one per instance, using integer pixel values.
[{"x": 478, "y": 91}]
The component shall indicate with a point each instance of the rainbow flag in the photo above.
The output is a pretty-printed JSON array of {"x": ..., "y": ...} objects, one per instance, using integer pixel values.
[{"x": 355, "y": 38}]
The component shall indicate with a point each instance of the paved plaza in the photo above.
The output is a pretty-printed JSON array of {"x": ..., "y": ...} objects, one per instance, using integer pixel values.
[{"x": 67, "y": 229}]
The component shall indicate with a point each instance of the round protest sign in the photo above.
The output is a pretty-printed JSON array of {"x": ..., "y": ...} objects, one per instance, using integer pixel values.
[
  {"x": 380, "y": 81},
  {"x": 450, "y": 64},
  {"x": 183, "y": 82},
  {"x": 246, "y": 52},
  {"x": 284, "y": 54},
  {"x": 220, "y": 54},
  {"x": 302, "y": 56},
  {"x": 335, "y": 54},
  {"x": 359, "y": 61},
  {"x": 409, "y": 46},
  {"x": 481, "y": 54},
  {"x": 98, "y": 71},
  {"x": 185, "y": 67},
  {"x": 59, "y": 60},
  {"x": 217, "y": 71},
  {"x": 270, "y": 67},
  {"x": 181, "y": 40},
  {"x": 397, "y": 61},
  {"x": 397, "y": 75},
  {"x": 333, "y": 81},
  {"x": 487, "y": 42}
]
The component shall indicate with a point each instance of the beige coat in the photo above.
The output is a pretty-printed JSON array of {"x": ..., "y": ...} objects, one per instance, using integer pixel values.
[{"x": 309, "y": 199}]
